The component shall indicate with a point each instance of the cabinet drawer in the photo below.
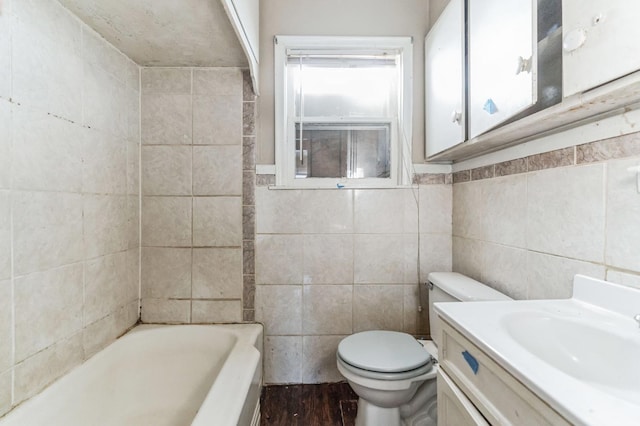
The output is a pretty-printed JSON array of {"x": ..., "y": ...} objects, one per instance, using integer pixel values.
[
  {"x": 501, "y": 398},
  {"x": 455, "y": 409}
]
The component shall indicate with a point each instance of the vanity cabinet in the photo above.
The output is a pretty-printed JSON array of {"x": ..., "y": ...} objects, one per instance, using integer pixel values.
[
  {"x": 477, "y": 379},
  {"x": 445, "y": 108},
  {"x": 600, "y": 42}
]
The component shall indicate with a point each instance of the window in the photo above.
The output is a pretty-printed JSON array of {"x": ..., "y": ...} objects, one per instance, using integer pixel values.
[{"x": 343, "y": 111}]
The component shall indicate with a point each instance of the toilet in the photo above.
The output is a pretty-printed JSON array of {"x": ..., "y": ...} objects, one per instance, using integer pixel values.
[{"x": 393, "y": 373}]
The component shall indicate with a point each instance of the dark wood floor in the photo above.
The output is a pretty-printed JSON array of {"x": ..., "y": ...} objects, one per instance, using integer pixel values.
[{"x": 329, "y": 404}]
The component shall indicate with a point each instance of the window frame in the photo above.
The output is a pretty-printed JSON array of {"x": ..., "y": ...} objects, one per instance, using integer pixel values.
[{"x": 285, "y": 140}]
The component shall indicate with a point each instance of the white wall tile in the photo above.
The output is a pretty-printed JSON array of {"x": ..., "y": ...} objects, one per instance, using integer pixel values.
[
  {"x": 166, "y": 80},
  {"x": 435, "y": 254},
  {"x": 99, "y": 53},
  {"x": 505, "y": 201},
  {"x": 504, "y": 269},
  {"x": 329, "y": 212},
  {"x": 623, "y": 212},
  {"x": 410, "y": 308},
  {"x": 631, "y": 280},
  {"x": 5, "y": 53},
  {"x": 328, "y": 259},
  {"x": 279, "y": 212},
  {"x": 48, "y": 308},
  {"x": 279, "y": 259},
  {"x": 468, "y": 214},
  {"x": 279, "y": 308},
  {"x": 217, "y": 222},
  {"x": 133, "y": 166},
  {"x": 327, "y": 309},
  {"x": 217, "y": 273},
  {"x": 385, "y": 259},
  {"x": 47, "y": 230},
  {"x": 105, "y": 224},
  {"x": 378, "y": 307},
  {"x": 5, "y": 235},
  {"x": 216, "y": 311},
  {"x": 105, "y": 282},
  {"x": 282, "y": 359},
  {"x": 319, "y": 359},
  {"x": 5, "y": 143},
  {"x": 6, "y": 329},
  {"x": 166, "y": 119},
  {"x": 166, "y": 221},
  {"x": 385, "y": 211},
  {"x": 569, "y": 220},
  {"x": 217, "y": 170},
  {"x": 47, "y": 152},
  {"x": 45, "y": 76},
  {"x": 436, "y": 208},
  {"x": 36, "y": 372},
  {"x": 217, "y": 120},
  {"x": 51, "y": 20},
  {"x": 101, "y": 333},
  {"x": 216, "y": 82},
  {"x": 166, "y": 311},
  {"x": 104, "y": 164},
  {"x": 551, "y": 277},
  {"x": 104, "y": 101},
  {"x": 6, "y": 383},
  {"x": 467, "y": 257},
  {"x": 166, "y": 272},
  {"x": 166, "y": 170}
]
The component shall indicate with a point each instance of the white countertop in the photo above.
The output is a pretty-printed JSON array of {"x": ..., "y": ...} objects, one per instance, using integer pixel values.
[{"x": 580, "y": 401}]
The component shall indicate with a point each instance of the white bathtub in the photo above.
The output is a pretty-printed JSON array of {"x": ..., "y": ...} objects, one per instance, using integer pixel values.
[{"x": 158, "y": 375}]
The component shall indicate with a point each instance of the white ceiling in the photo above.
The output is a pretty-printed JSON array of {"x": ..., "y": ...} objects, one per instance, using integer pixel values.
[{"x": 165, "y": 32}]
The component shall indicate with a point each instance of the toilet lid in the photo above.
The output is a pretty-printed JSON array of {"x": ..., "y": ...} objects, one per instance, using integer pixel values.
[{"x": 383, "y": 351}]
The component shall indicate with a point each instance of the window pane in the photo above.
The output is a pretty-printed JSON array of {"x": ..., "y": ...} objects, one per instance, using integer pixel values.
[
  {"x": 339, "y": 91},
  {"x": 343, "y": 151}
]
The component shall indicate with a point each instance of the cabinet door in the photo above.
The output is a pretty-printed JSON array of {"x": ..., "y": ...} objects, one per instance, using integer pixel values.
[
  {"x": 445, "y": 115},
  {"x": 600, "y": 42},
  {"x": 454, "y": 408},
  {"x": 502, "y": 61}
]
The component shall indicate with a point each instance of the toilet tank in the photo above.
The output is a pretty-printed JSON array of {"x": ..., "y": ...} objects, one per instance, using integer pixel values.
[{"x": 454, "y": 287}]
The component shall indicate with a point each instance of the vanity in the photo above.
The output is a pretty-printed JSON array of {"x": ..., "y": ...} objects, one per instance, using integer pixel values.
[{"x": 538, "y": 362}]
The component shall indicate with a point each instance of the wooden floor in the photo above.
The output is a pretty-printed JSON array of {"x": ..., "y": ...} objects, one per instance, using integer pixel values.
[{"x": 329, "y": 404}]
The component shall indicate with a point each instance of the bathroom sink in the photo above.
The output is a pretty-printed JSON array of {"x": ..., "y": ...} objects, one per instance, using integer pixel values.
[
  {"x": 580, "y": 355},
  {"x": 580, "y": 348}
]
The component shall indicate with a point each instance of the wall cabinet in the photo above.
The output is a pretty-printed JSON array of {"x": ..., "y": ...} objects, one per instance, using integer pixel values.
[
  {"x": 533, "y": 67},
  {"x": 502, "y": 61},
  {"x": 600, "y": 42},
  {"x": 445, "y": 80}
]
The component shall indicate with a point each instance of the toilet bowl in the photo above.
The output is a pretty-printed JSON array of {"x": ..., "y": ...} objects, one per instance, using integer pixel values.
[{"x": 394, "y": 374}]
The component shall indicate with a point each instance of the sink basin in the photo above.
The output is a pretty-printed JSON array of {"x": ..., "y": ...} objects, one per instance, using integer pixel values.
[{"x": 581, "y": 349}]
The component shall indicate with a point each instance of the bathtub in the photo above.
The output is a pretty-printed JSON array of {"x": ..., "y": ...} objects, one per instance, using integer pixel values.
[{"x": 158, "y": 375}]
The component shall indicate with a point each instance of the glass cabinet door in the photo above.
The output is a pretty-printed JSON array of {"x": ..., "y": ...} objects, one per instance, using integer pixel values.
[
  {"x": 445, "y": 110},
  {"x": 502, "y": 61}
]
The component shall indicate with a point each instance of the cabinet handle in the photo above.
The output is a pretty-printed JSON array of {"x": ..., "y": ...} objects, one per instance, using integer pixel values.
[
  {"x": 456, "y": 117},
  {"x": 524, "y": 65},
  {"x": 472, "y": 361},
  {"x": 574, "y": 39},
  {"x": 490, "y": 106}
]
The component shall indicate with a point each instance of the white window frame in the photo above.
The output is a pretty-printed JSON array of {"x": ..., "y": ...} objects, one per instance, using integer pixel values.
[{"x": 401, "y": 144}]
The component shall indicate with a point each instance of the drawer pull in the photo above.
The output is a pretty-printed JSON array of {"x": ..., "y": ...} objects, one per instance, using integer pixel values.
[{"x": 473, "y": 363}]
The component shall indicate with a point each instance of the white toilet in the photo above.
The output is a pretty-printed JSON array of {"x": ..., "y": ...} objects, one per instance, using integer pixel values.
[{"x": 394, "y": 374}]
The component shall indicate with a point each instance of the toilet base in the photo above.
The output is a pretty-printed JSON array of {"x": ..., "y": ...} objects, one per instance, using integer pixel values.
[{"x": 372, "y": 415}]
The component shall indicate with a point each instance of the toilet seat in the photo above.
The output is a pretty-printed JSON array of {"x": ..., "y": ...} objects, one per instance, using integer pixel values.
[{"x": 384, "y": 355}]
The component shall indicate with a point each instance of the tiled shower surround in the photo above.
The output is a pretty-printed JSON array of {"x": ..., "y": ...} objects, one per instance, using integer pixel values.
[
  {"x": 69, "y": 146},
  {"x": 192, "y": 195},
  {"x": 333, "y": 262},
  {"x": 528, "y": 225}
]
